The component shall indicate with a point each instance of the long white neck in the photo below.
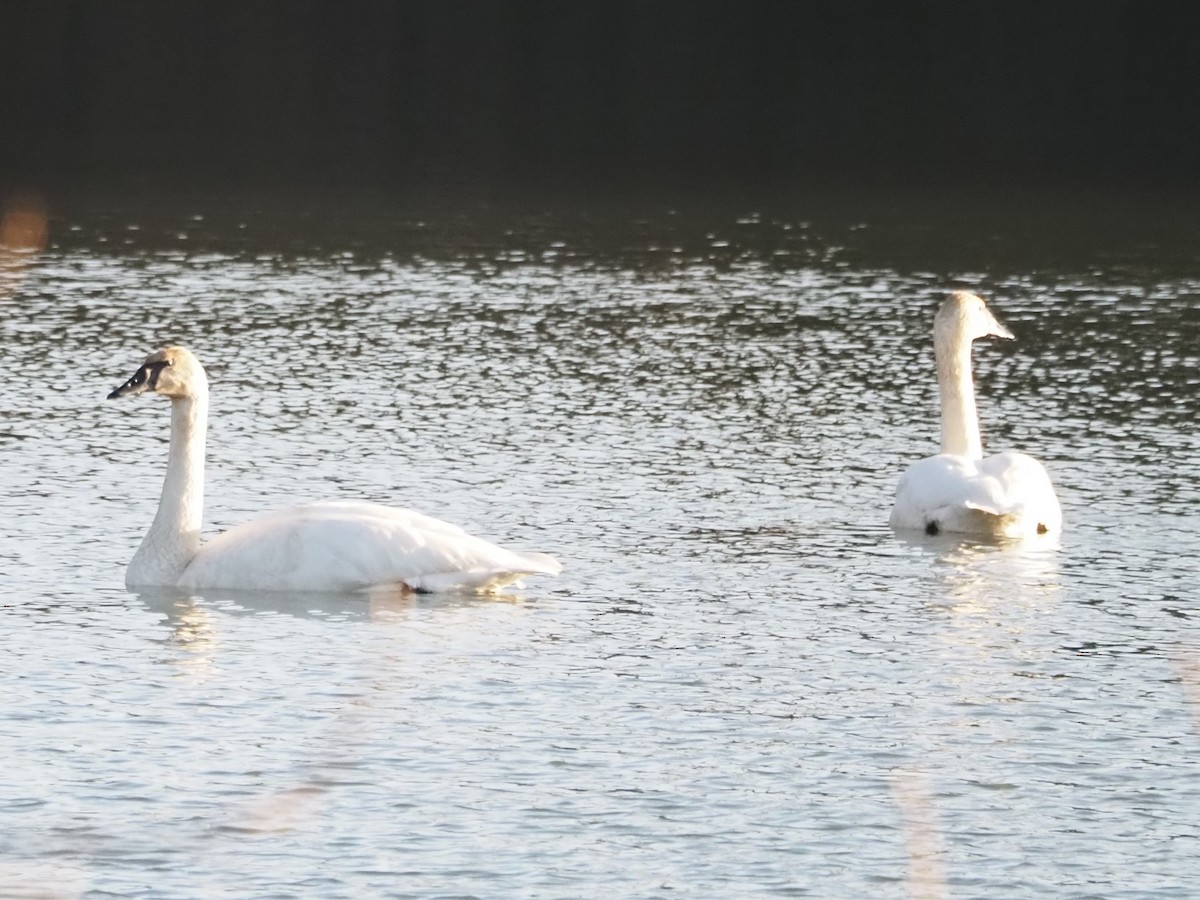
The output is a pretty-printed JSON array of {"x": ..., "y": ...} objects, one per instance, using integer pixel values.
[
  {"x": 960, "y": 421},
  {"x": 174, "y": 536}
]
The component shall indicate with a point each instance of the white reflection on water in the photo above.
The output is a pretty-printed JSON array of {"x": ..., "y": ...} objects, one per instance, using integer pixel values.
[
  {"x": 706, "y": 424},
  {"x": 926, "y": 866}
]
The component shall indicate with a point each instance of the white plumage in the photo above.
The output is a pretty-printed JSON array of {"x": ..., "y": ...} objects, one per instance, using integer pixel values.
[
  {"x": 329, "y": 546},
  {"x": 1005, "y": 495}
]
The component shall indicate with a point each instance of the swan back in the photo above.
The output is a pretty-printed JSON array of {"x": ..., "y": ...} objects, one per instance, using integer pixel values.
[
  {"x": 1006, "y": 495},
  {"x": 341, "y": 545}
]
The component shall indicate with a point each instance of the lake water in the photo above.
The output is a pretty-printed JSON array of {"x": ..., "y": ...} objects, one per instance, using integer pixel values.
[{"x": 743, "y": 684}]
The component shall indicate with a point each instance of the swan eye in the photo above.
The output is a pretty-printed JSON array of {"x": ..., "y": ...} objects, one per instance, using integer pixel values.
[{"x": 152, "y": 371}]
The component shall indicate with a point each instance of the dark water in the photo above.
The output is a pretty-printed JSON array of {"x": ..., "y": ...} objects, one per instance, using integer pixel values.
[{"x": 742, "y": 684}]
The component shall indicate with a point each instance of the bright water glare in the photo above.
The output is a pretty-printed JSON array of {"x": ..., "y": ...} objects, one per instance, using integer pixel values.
[{"x": 743, "y": 684}]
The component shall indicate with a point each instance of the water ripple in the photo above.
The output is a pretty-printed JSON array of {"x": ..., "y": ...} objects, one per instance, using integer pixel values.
[{"x": 742, "y": 683}]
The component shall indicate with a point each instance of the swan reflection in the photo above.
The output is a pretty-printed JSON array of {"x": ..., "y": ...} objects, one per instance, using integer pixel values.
[
  {"x": 978, "y": 572},
  {"x": 194, "y": 631},
  {"x": 247, "y": 651},
  {"x": 194, "y": 617}
]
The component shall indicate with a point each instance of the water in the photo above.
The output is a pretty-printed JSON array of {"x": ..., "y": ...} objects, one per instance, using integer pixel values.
[{"x": 742, "y": 685}]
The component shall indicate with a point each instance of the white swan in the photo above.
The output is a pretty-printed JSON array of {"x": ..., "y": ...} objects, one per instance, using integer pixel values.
[
  {"x": 330, "y": 546},
  {"x": 1005, "y": 495}
]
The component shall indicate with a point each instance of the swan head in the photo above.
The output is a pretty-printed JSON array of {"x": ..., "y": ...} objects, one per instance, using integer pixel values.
[
  {"x": 964, "y": 316},
  {"x": 172, "y": 371}
]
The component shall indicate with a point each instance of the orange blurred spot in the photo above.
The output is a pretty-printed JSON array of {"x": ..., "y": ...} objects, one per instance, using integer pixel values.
[
  {"x": 23, "y": 234},
  {"x": 1189, "y": 680},
  {"x": 23, "y": 227}
]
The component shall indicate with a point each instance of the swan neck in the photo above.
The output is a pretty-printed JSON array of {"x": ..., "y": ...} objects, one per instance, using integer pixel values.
[
  {"x": 960, "y": 420},
  {"x": 174, "y": 536}
]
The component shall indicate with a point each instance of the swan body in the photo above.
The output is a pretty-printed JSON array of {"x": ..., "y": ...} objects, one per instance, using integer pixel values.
[
  {"x": 328, "y": 546},
  {"x": 1006, "y": 495}
]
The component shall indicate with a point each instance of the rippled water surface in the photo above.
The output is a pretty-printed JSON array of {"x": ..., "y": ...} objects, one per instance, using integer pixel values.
[{"x": 742, "y": 684}]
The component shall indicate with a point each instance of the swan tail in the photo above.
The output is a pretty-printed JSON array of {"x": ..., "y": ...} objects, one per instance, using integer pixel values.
[
  {"x": 539, "y": 564},
  {"x": 486, "y": 580},
  {"x": 1002, "y": 523}
]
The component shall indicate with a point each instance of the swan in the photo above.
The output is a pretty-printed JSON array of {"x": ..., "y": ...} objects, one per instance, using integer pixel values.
[
  {"x": 1006, "y": 495},
  {"x": 337, "y": 545}
]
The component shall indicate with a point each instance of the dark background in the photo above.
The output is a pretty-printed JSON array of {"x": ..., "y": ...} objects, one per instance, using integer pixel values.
[{"x": 524, "y": 90}]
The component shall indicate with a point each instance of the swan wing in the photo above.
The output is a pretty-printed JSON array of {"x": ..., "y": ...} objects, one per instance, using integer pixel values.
[
  {"x": 1005, "y": 495},
  {"x": 354, "y": 545},
  {"x": 935, "y": 490}
]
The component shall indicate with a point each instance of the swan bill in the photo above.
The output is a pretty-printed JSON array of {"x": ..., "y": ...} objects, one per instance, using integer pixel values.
[{"x": 138, "y": 383}]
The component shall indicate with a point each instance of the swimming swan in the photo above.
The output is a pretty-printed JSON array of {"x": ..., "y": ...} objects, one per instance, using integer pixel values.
[
  {"x": 1005, "y": 495},
  {"x": 339, "y": 545}
]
